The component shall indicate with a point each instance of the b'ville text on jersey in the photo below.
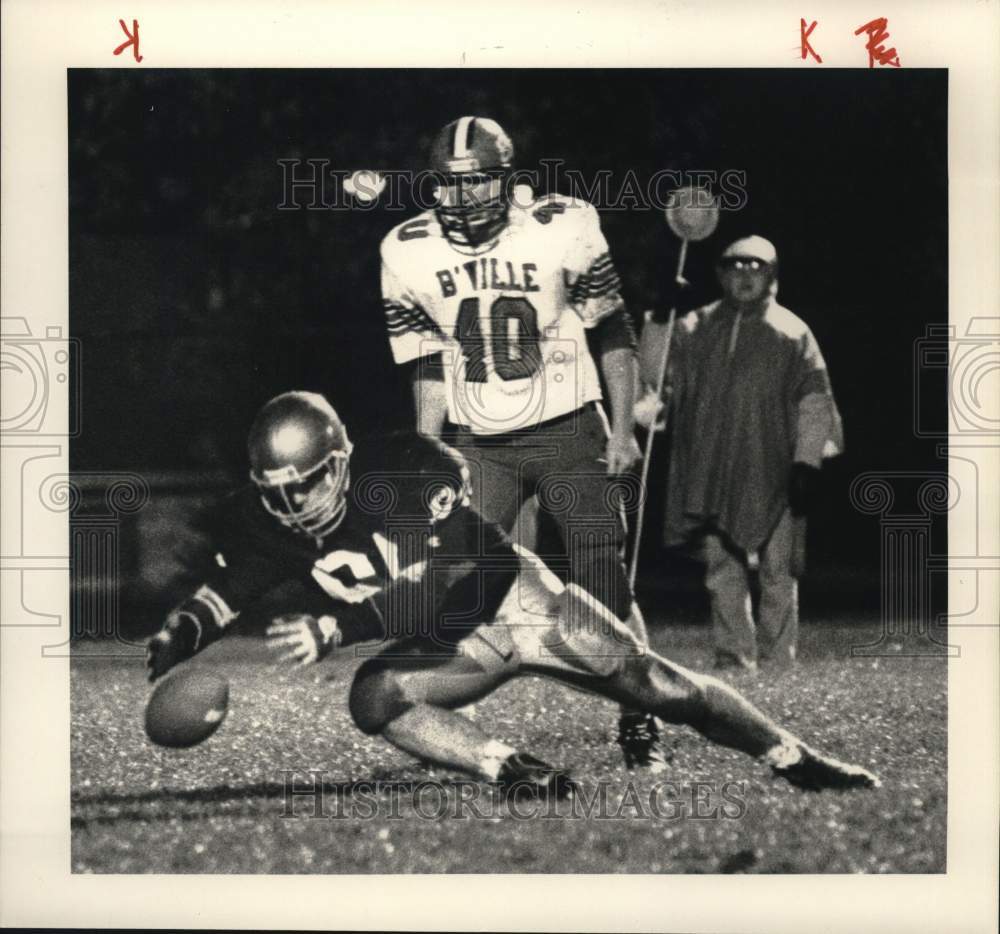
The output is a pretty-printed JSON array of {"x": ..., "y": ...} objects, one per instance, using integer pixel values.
[{"x": 493, "y": 274}]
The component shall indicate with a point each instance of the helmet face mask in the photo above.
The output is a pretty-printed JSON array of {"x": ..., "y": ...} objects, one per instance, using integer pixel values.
[
  {"x": 315, "y": 505},
  {"x": 473, "y": 207},
  {"x": 299, "y": 462},
  {"x": 472, "y": 156}
]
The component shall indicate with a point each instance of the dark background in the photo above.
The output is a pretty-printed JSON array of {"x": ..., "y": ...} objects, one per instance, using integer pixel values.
[{"x": 196, "y": 300}]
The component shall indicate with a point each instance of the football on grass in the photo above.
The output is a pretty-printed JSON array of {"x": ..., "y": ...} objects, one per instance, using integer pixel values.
[{"x": 186, "y": 707}]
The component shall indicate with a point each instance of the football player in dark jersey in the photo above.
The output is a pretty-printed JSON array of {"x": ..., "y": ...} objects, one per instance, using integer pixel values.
[{"x": 386, "y": 539}]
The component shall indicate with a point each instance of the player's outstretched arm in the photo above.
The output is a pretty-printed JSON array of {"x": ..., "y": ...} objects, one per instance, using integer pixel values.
[{"x": 196, "y": 623}]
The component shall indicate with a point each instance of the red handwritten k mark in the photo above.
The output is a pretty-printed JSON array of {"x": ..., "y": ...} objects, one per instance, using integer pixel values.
[
  {"x": 877, "y": 34},
  {"x": 133, "y": 39},
  {"x": 804, "y": 39}
]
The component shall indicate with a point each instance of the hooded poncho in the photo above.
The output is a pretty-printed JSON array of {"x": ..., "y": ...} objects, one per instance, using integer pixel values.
[{"x": 750, "y": 395}]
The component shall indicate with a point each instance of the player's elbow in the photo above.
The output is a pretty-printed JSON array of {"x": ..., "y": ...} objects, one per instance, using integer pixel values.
[{"x": 616, "y": 332}]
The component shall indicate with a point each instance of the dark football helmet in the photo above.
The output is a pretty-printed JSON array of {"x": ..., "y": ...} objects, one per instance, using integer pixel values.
[
  {"x": 473, "y": 155},
  {"x": 299, "y": 460}
]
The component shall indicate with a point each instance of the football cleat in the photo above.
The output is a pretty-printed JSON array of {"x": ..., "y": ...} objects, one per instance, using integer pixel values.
[
  {"x": 299, "y": 458},
  {"x": 473, "y": 157},
  {"x": 522, "y": 777},
  {"x": 814, "y": 772},
  {"x": 639, "y": 738}
]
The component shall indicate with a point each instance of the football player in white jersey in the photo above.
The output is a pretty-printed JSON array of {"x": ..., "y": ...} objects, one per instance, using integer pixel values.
[{"x": 493, "y": 296}]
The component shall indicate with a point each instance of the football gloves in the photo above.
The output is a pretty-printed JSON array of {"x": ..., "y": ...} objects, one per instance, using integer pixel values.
[
  {"x": 802, "y": 488},
  {"x": 173, "y": 644},
  {"x": 303, "y": 639}
]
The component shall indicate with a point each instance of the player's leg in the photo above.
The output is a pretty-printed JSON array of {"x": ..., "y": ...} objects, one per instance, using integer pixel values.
[
  {"x": 498, "y": 492},
  {"x": 593, "y": 543},
  {"x": 779, "y": 596},
  {"x": 577, "y": 497},
  {"x": 497, "y": 488},
  {"x": 576, "y": 500},
  {"x": 584, "y": 504},
  {"x": 723, "y": 715},
  {"x": 409, "y": 693},
  {"x": 441, "y": 735},
  {"x": 590, "y": 519},
  {"x": 588, "y": 648},
  {"x": 595, "y": 565},
  {"x": 728, "y": 588}
]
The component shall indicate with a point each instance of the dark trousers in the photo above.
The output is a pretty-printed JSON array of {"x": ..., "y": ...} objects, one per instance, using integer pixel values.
[{"x": 562, "y": 463}]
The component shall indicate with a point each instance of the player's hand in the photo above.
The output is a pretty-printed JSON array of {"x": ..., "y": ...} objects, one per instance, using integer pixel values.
[
  {"x": 622, "y": 453},
  {"x": 173, "y": 644},
  {"x": 802, "y": 484},
  {"x": 649, "y": 412},
  {"x": 303, "y": 639}
]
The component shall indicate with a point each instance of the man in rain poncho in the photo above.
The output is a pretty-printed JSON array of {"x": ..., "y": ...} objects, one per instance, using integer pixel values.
[{"x": 753, "y": 417}]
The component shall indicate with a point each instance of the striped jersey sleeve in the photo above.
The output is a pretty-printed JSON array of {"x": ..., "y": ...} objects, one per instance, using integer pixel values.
[
  {"x": 413, "y": 333},
  {"x": 594, "y": 286}
]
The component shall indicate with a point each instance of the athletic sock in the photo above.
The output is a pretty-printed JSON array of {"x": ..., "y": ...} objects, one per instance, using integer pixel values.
[
  {"x": 494, "y": 754},
  {"x": 784, "y": 754}
]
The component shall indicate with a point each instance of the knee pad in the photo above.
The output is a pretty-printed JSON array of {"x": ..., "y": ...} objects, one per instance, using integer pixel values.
[{"x": 376, "y": 697}]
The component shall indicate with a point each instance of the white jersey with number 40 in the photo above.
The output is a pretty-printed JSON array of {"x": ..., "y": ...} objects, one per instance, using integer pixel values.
[{"x": 509, "y": 322}]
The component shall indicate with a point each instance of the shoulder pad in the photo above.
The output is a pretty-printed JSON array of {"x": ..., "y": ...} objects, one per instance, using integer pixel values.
[
  {"x": 414, "y": 230},
  {"x": 555, "y": 205},
  {"x": 566, "y": 201},
  {"x": 399, "y": 473}
]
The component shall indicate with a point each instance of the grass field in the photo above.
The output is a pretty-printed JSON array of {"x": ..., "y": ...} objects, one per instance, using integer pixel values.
[{"x": 221, "y": 806}]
